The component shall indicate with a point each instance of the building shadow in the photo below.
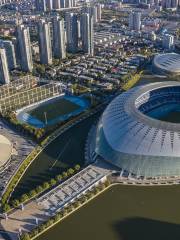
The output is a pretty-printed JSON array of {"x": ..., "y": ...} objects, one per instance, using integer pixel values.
[{"x": 146, "y": 229}]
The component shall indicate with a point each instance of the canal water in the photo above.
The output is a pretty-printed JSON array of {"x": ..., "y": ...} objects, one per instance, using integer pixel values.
[
  {"x": 120, "y": 213},
  {"x": 124, "y": 213},
  {"x": 63, "y": 153}
]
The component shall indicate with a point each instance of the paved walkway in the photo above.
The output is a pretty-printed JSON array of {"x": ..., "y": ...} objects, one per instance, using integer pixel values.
[
  {"x": 24, "y": 220},
  {"x": 49, "y": 204}
]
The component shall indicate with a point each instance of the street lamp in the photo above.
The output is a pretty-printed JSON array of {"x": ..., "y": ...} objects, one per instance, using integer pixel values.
[{"x": 45, "y": 116}]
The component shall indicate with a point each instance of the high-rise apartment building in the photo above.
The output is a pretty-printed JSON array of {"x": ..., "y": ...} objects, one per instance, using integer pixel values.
[
  {"x": 168, "y": 41},
  {"x": 56, "y": 4},
  {"x": 59, "y": 48},
  {"x": 72, "y": 32},
  {"x": 99, "y": 12},
  {"x": 87, "y": 33},
  {"x": 49, "y": 5},
  {"x": 24, "y": 48},
  {"x": 4, "y": 72},
  {"x": 10, "y": 54},
  {"x": 45, "y": 46},
  {"x": 40, "y": 5},
  {"x": 135, "y": 21}
]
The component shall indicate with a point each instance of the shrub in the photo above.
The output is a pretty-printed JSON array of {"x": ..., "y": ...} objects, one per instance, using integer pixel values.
[
  {"x": 24, "y": 198},
  {"x": 70, "y": 171},
  {"x": 64, "y": 174},
  {"x": 77, "y": 167},
  {"x": 39, "y": 189},
  {"x": 59, "y": 177},
  {"x": 32, "y": 193},
  {"x": 15, "y": 203},
  {"x": 6, "y": 207},
  {"x": 45, "y": 185},
  {"x": 107, "y": 183},
  {"x": 52, "y": 182},
  {"x": 25, "y": 236}
]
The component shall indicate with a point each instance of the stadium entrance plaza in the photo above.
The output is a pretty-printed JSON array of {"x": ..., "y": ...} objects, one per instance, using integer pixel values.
[{"x": 25, "y": 219}]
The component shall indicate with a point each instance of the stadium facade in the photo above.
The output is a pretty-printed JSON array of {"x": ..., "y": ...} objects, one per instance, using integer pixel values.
[
  {"x": 130, "y": 136},
  {"x": 167, "y": 63}
]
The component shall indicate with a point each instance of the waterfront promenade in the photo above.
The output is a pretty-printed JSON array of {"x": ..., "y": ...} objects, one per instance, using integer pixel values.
[{"x": 25, "y": 218}]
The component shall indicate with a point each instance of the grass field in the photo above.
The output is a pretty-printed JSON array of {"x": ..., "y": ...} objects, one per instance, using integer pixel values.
[{"x": 53, "y": 109}]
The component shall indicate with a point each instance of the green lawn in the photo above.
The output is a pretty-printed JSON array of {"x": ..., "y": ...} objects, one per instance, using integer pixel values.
[{"x": 53, "y": 109}]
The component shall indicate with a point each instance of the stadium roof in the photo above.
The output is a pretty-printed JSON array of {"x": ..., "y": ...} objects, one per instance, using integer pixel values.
[
  {"x": 169, "y": 62},
  {"x": 129, "y": 138}
]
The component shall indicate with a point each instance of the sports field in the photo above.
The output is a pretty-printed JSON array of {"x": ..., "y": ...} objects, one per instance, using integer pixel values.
[{"x": 53, "y": 109}]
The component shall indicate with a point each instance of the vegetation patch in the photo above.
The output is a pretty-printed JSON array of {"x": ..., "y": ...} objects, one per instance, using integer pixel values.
[{"x": 53, "y": 110}]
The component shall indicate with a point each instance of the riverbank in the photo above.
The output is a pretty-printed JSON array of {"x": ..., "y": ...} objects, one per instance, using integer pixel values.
[{"x": 72, "y": 208}]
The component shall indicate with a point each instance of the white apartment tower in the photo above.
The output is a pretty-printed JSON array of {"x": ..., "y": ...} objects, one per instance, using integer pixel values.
[
  {"x": 135, "y": 21},
  {"x": 87, "y": 33},
  {"x": 24, "y": 47},
  {"x": 4, "y": 72},
  {"x": 72, "y": 32},
  {"x": 59, "y": 48},
  {"x": 45, "y": 46},
  {"x": 168, "y": 41},
  {"x": 10, "y": 54}
]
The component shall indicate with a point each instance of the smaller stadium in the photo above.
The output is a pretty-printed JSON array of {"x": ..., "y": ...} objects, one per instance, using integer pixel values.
[
  {"x": 167, "y": 64},
  {"x": 5, "y": 151},
  {"x": 52, "y": 111}
]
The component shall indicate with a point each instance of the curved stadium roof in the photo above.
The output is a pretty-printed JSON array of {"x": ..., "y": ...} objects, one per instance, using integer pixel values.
[
  {"x": 128, "y": 138},
  {"x": 5, "y": 150},
  {"x": 168, "y": 62}
]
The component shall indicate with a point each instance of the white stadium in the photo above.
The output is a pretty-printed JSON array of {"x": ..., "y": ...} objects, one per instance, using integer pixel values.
[
  {"x": 167, "y": 63},
  {"x": 131, "y": 136}
]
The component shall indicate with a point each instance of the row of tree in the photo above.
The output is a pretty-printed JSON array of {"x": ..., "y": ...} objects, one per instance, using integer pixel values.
[
  {"x": 67, "y": 210},
  {"x": 37, "y": 133},
  {"x": 15, "y": 179},
  {"x": 41, "y": 188}
]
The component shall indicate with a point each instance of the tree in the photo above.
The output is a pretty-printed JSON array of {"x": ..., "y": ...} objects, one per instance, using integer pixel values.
[
  {"x": 70, "y": 171},
  {"x": 39, "y": 189},
  {"x": 59, "y": 177},
  {"x": 24, "y": 198},
  {"x": 25, "y": 236},
  {"x": 6, "y": 207},
  {"x": 57, "y": 217},
  {"x": 64, "y": 174},
  {"x": 46, "y": 185},
  {"x": 52, "y": 182},
  {"x": 15, "y": 202},
  {"x": 77, "y": 167},
  {"x": 107, "y": 183},
  {"x": 32, "y": 193}
]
